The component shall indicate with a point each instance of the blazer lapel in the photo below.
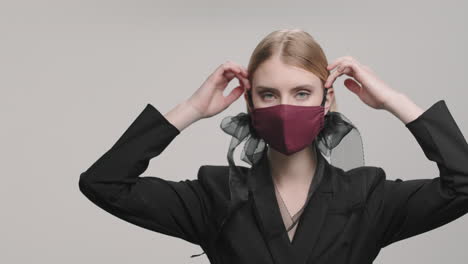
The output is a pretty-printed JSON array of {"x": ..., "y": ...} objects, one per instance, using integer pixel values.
[
  {"x": 314, "y": 214},
  {"x": 269, "y": 216}
]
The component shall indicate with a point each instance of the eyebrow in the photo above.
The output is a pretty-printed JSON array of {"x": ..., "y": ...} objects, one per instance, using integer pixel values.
[{"x": 266, "y": 88}]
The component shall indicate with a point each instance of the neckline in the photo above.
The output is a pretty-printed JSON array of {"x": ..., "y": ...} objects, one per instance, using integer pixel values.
[
  {"x": 296, "y": 218},
  {"x": 268, "y": 215}
]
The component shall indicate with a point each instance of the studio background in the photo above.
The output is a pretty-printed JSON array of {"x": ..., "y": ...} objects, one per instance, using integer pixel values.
[{"x": 75, "y": 74}]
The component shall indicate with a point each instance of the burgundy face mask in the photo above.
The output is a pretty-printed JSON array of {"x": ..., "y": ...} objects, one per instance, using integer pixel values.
[{"x": 289, "y": 128}]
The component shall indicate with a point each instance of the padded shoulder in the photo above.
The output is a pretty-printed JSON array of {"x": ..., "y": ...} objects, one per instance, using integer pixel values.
[
  {"x": 215, "y": 180},
  {"x": 372, "y": 179},
  {"x": 356, "y": 183}
]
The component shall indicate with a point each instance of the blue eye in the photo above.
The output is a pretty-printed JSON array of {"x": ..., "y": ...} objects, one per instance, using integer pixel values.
[
  {"x": 303, "y": 93},
  {"x": 264, "y": 94}
]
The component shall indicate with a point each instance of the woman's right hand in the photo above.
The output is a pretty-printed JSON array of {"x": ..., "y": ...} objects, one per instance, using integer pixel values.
[{"x": 209, "y": 100}]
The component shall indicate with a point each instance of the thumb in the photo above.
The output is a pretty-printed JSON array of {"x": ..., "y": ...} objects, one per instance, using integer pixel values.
[
  {"x": 234, "y": 94},
  {"x": 353, "y": 86}
]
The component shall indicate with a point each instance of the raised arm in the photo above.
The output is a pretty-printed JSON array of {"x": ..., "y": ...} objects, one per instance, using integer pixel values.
[
  {"x": 113, "y": 182},
  {"x": 404, "y": 208},
  {"x": 176, "y": 208}
]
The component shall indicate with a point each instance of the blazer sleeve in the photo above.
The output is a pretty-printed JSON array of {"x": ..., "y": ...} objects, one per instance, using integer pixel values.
[
  {"x": 406, "y": 208},
  {"x": 113, "y": 182}
]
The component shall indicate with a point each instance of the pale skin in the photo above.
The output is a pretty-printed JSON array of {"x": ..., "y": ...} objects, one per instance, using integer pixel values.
[{"x": 291, "y": 174}]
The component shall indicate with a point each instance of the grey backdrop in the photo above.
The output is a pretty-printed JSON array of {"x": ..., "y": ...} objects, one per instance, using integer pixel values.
[{"x": 75, "y": 74}]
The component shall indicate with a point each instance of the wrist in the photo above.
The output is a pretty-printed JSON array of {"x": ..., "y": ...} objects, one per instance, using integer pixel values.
[
  {"x": 183, "y": 115},
  {"x": 393, "y": 101},
  {"x": 192, "y": 112},
  {"x": 402, "y": 107}
]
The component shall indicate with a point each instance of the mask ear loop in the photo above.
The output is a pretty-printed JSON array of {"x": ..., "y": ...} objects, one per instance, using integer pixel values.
[
  {"x": 324, "y": 97},
  {"x": 249, "y": 99}
]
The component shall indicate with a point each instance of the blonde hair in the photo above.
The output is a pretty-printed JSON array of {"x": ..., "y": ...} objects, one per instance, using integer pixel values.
[{"x": 294, "y": 47}]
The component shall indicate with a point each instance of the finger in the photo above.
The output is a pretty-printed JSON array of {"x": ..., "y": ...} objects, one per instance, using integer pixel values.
[
  {"x": 342, "y": 60},
  {"x": 353, "y": 69},
  {"x": 244, "y": 71},
  {"x": 353, "y": 60},
  {"x": 234, "y": 66},
  {"x": 241, "y": 69},
  {"x": 245, "y": 82},
  {"x": 241, "y": 74},
  {"x": 223, "y": 68},
  {"x": 336, "y": 62},
  {"x": 229, "y": 75},
  {"x": 331, "y": 78},
  {"x": 347, "y": 69},
  {"x": 229, "y": 71},
  {"x": 344, "y": 67},
  {"x": 234, "y": 94},
  {"x": 332, "y": 64},
  {"x": 218, "y": 75}
]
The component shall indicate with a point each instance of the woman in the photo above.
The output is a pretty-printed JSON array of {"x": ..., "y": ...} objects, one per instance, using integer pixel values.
[{"x": 252, "y": 215}]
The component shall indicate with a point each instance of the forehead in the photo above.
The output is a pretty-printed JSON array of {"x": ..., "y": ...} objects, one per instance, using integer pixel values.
[{"x": 275, "y": 74}]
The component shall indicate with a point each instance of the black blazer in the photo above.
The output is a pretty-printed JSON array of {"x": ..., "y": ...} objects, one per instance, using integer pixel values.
[{"x": 349, "y": 218}]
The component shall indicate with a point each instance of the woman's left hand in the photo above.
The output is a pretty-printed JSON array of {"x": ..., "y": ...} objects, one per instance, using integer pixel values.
[{"x": 370, "y": 89}]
